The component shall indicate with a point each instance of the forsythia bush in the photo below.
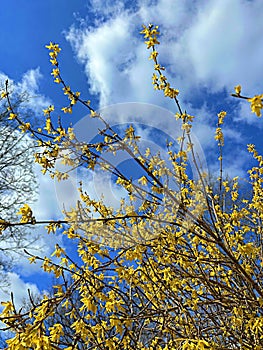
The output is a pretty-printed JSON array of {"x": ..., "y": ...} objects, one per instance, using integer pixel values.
[{"x": 170, "y": 268}]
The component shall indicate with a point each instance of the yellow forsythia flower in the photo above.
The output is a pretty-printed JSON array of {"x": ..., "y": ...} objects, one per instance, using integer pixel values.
[
  {"x": 221, "y": 117},
  {"x": 24, "y": 127},
  {"x": 256, "y": 104},
  {"x": 26, "y": 212},
  {"x": 238, "y": 89},
  {"x": 4, "y": 94},
  {"x": 12, "y": 116}
]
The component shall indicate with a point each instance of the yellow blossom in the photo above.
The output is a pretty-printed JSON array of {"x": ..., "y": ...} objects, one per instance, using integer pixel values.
[
  {"x": 12, "y": 116},
  {"x": 221, "y": 117},
  {"x": 54, "y": 47},
  {"x": 24, "y": 127},
  {"x": 48, "y": 110},
  {"x": 256, "y": 104},
  {"x": 4, "y": 94},
  {"x": 55, "y": 72},
  {"x": 238, "y": 89},
  {"x": 26, "y": 212},
  {"x": 67, "y": 109}
]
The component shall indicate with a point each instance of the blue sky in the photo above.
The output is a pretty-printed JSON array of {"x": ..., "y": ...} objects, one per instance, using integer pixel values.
[
  {"x": 26, "y": 26},
  {"x": 208, "y": 46}
]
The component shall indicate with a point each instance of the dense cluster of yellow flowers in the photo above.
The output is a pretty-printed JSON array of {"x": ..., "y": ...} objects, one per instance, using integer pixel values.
[{"x": 173, "y": 267}]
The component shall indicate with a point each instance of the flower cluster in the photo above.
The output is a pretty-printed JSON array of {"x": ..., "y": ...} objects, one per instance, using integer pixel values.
[
  {"x": 256, "y": 104},
  {"x": 151, "y": 34},
  {"x": 159, "y": 80},
  {"x": 72, "y": 96},
  {"x": 27, "y": 214},
  {"x": 174, "y": 266},
  {"x": 219, "y": 136},
  {"x": 54, "y": 51}
]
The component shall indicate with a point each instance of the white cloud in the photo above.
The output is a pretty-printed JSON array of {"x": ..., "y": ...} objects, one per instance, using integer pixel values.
[
  {"x": 107, "y": 8},
  {"x": 45, "y": 207},
  {"x": 244, "y": 114},
  {"x": 209, "y": 43},
  {"x": 35, "y": 239},
  {"x": 206, "y": 46},
  {"x": 231, "y": 168},
  {"x": 30, "y": 83},
  {"x": 109, "y": 58},
  {"x": 224, "y": 45},
  {"x": 19, "y": 289},
  {"x": 28, "y": 87},
  {"x": 30, "y": 80},
  {"x": 3, "y": 78}
]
